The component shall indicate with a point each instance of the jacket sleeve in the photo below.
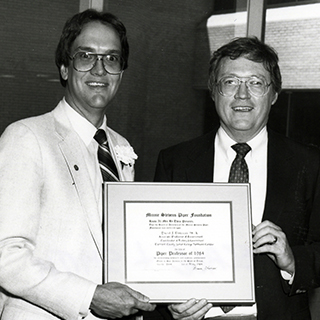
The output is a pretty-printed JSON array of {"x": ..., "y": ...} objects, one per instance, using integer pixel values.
[
  {"x": 22, "y": 272},
  {"x": 162, "y": 172},
  {"x": 307, "y": 256}
]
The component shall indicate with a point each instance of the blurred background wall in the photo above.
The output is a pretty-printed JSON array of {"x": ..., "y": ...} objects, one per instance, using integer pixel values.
[
  {"x": 157, "y": 104},
  {"x": 163, "y": 98}
]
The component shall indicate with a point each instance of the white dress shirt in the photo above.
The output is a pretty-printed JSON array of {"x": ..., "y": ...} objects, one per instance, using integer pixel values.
[
  {"x": 257, "y": 165},
  {"x": 256, "y": 160}
]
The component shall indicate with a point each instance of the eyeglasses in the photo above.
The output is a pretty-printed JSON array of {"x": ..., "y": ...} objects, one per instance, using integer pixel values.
[
  {"x": 85, "y": 61},
  {"x": 228, "y": 86}
]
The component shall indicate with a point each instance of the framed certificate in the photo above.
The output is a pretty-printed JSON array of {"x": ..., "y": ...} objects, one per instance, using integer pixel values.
[{"x": 176, "y": 241}]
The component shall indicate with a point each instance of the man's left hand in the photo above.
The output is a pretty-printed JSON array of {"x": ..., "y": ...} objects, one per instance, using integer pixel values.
[
  {"x": 190, "y": 310},
  {"x": 270, "y": 239}
]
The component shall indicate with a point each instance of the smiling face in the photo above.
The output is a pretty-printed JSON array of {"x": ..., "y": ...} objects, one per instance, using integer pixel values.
[
  {"x": 243, "y": 115},
  {"x": 90, "y": 92}
]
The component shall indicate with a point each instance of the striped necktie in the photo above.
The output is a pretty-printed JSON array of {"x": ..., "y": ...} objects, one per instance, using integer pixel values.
[
  {"x": 239, "y": 172},
  {"x": 108, "y": 168}
]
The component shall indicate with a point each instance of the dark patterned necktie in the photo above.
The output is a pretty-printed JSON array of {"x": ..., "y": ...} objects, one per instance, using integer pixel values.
[
  {"x": 108, "y": 167},
  {"x": 239, "y": 170}
]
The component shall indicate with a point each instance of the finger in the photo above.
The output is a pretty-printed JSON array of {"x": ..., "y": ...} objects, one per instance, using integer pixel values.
[
  {"x": 133, "y": 311},
  {"x": 268, "y": 249},
  {"x": 197, "y": 307},
  {"x": 137, "y": 295},
  {"x": 145, "y": 306},
  {"x": 274, "y": 241},
  {"x": 266, "y": 224},
  {"x": 268, "y": 239},
  {"x": 200, "y": 309},
  {"x": 268, "y": 231},
  {"x": 196, "y": 310},
  {"x": 197, "y": 315},
  {"x": 141, "y": 302},
  {"x": 182, "y": 307}
]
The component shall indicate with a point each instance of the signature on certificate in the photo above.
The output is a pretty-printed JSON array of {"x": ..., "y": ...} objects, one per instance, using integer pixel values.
[{"x": 202, "y": 268}]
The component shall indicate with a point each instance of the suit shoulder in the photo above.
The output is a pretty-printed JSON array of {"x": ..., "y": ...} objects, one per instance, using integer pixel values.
[
  {"x": 185, "y": 147},
  {"x": 37, "y": 125},
  {"x": 292, "y": 147}
]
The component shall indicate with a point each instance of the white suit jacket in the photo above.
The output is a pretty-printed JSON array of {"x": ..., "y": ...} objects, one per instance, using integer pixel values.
[{"x": 50, "y": 232}]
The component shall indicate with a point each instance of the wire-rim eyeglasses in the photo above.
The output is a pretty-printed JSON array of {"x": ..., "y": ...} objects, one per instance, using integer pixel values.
[{"x": 229, "y": 85}]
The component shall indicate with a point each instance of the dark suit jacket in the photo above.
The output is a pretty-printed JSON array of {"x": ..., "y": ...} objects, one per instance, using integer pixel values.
[{"x": 292, "y": 202}]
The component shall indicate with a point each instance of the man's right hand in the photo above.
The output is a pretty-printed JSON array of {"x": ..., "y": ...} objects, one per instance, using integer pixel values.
[{"x": 115, "y": 300}]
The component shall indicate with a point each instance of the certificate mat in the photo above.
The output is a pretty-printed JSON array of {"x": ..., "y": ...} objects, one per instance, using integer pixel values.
[{"x": 176, "y": 241}]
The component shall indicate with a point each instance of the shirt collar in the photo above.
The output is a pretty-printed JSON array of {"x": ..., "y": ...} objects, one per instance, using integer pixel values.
[
  {"x": 224, "y": 143},
  {"x": 85, "y": 129}
]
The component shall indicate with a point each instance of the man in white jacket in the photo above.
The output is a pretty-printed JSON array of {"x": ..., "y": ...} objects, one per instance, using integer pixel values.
[{"x": 51, "y": 259}]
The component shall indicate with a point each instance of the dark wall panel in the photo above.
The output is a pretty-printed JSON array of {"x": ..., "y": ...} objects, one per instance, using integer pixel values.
[
  {"x": 29, "y": 33},
  {"x": 157, "y": 104}
]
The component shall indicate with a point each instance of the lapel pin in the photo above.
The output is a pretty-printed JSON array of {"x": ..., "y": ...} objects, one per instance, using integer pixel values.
[{"x": 76, "y": 167}]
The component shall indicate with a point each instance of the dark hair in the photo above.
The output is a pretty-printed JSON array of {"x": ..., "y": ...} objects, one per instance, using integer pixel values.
[
  {"x": 251, "y": 48},
  {"x": 73, "y": 28}
]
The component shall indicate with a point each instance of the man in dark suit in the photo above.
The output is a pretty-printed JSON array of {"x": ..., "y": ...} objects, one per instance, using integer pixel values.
[{"x": 244, "y": 82}]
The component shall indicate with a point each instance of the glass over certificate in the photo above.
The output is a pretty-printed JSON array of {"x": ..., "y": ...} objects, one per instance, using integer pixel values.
[{"x": 173, "y": 242}]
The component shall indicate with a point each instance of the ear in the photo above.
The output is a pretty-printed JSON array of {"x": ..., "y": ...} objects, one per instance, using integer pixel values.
[
  {"x": 275, "y": 98},
  {"x": 211, "y": 88},
  {"x": 64, "y": 72},
  {"x": 212, "y": 93}
]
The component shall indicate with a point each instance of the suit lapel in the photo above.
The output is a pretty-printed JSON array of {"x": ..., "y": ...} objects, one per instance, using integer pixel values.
[
  {"x": 200, "y": 168},
  {"x": 126, "y": 172},
  {"x": 71, "y": 151},
  {"x": 278, "y": 177}
]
